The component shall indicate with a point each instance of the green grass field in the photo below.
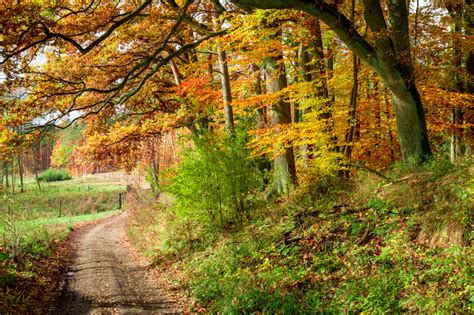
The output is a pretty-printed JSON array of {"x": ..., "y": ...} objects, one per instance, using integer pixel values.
[{"x": 74, "y": 197}]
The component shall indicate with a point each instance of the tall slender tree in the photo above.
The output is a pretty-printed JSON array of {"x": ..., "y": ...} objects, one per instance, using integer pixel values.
[{"x": 275, "y": 73}]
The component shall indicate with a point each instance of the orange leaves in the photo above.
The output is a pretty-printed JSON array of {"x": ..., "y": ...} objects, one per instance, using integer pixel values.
[
  {"x": 442, "y": 98},
  {"x": 199, "y": 89},
  {"x": 123, "y": 144},
  {"x": 439, "y": 104}
]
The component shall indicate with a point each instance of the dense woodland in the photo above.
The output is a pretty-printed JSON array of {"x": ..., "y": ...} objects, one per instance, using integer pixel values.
[{"x": 247, "y": 110}]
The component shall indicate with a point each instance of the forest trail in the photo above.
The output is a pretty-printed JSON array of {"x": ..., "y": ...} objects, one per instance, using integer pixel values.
[{"x": 104, "y": 278}]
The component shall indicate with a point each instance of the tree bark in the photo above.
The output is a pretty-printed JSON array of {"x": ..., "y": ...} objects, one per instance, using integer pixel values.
[
  {"x": 176, "y": 74},
  {"x": 347, "y": 152},
  {"x": 5, "y": 173},
  {"x": 13, "y": 175},
  {"x": 394, "y": 65},
  {"x": 389, "y": 132},
  {"x": 460, "y": 15},
  {"x": 469, "y": 79},
  {"x": 314, "y": 68},
  {"x": 257, "y": 90},
  {"x": 36, "y": 154},
  {"x": 1, "y": 176}
]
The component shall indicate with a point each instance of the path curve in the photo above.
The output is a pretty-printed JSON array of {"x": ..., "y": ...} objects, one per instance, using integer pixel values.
[{"x": 104, "y": 278}]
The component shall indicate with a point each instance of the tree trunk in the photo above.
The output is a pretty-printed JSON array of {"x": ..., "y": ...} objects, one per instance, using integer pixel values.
[
  {"x": 469, "y": 79},
  {"x": 313, "y": 68},
  {"x": 176, "y": 74},
  {"x": 389, "y": 125},
  {"x": 456, "y": 136},
  {"x": 257, "y": 90},
  {"x": 394, "y": 49},
  {"x": 35, "y": 165},
  {"x": 347, "y": 152},
  {"x": 461, "y": 15},
  {"x": 13, "y": 176},
  {"x": 352, "y": 113},
  {"x": 20, "y": 172},
  {"x": 1, "y": 177},
  {"x": 411, "y": 126},
  {"x": 284, "y": 171},
  {"x": 155, "y": 168},
  {"x": 5, "y": 172},
  {"x": 318, "y": 60},
  {"x": 306, "y": 75},
  {"x": 226, "y": 92}
]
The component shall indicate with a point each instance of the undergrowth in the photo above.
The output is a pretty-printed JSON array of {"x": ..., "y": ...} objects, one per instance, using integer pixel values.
[{"x": 363, "y": 245}]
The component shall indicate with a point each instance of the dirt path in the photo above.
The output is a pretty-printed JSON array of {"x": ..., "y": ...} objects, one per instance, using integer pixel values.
[{"x": 104, "y": 279}]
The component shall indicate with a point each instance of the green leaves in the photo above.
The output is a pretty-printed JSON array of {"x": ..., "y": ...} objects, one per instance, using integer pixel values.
[{"x": 214, "y": 180}]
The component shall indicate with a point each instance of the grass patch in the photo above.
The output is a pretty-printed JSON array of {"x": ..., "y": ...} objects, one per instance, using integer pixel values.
[
  {"x": 68, "y": 220},
  {"x": 57, "y": 203}
]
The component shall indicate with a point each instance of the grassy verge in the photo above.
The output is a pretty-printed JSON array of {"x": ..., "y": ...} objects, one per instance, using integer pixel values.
[{"x": 333, "y": 247}]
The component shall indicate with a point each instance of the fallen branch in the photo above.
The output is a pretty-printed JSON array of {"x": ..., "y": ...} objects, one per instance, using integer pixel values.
[{"x": 370, "y": 170}]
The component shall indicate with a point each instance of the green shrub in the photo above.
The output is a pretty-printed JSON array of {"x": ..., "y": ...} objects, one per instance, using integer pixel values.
[
  {"x": 54, "y": 175},
  {"x": 273, "y": 302},
  {"x": 214, "y": 180}
]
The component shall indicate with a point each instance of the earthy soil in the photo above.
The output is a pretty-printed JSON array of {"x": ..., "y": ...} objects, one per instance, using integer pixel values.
[{"x": 105, "y": 279}]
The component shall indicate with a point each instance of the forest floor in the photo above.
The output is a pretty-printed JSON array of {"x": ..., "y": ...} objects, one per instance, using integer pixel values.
[
  {"x": 105, "y": 278},
  {"x": 335, "y": 246}
]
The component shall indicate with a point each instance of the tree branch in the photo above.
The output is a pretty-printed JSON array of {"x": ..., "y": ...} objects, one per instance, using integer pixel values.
[
  {"x": 102, "y": 37},
  {"x": 337, "y": 21},
  {"x": 370, "y": 170},
  {"x": 83, "y": 50}
]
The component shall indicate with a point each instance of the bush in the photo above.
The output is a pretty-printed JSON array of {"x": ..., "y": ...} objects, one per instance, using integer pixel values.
[
  {"x": 54, "y": 175},
  {"x": 214, "y": 181}
]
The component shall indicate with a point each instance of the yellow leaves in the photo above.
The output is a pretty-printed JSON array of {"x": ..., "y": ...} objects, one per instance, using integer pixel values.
[
  {"x": 272, "y": 141},
  {"x": 58, "y": 156},
  {"x": 10, "y": 141},
  {"x": 299, "y": 93}
]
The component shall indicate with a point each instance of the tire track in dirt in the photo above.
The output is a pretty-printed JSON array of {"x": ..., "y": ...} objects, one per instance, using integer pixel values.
[{"x": 104, "y": 278}]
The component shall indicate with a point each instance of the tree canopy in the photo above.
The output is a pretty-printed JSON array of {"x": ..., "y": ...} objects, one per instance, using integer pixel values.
[{"x": 135, "y": 70}]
